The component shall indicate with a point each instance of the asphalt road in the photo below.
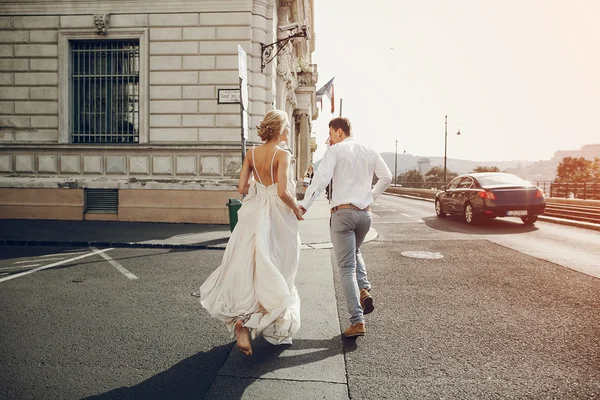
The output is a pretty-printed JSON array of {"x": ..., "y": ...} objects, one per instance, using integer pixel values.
[
  {"x": 486, "y": 321},
  {"x": 569, "y": 246},
  {"x": 87, "y": 328}
]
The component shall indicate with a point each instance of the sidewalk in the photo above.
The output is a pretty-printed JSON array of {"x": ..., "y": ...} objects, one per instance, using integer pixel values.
[{"x": 314, "y": 233}]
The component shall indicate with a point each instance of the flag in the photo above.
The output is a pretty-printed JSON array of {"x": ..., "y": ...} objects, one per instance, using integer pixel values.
[{"x": 327, "y": 90}]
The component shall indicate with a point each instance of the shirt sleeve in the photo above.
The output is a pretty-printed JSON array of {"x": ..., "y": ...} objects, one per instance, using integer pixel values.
[
  {"x": 322, "y": 177},
  {"x": 384, "y": 175}
]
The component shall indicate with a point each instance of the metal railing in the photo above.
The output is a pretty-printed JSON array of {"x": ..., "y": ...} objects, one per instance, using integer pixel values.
[{"x": 566, "y": 190}]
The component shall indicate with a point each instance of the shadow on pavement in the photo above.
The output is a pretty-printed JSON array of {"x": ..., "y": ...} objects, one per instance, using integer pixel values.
[
  {"x": 497, "y": 226},
  {"x": 189, "y": 379},
  {"x": 91, "y": 231}
]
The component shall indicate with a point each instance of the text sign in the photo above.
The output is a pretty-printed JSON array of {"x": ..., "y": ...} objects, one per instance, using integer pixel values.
[{"x": 229, "y": 96}]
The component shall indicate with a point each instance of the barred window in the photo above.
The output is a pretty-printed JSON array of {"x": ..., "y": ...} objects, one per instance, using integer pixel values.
[{"x": 105, "y": 76}]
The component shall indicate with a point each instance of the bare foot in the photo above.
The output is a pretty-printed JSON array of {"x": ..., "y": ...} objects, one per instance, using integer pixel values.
[{"x": 242, "y": 337}]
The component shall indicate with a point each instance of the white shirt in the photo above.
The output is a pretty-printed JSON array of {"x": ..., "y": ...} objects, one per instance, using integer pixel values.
[{"x": 351, "y": 165}]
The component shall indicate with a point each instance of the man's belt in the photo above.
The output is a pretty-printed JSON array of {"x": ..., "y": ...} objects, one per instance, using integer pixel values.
[{"x": 350, "y": 206}]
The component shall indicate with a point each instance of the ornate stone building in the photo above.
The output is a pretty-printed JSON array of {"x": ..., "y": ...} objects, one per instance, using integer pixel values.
[{"x": 112, "y": 110}]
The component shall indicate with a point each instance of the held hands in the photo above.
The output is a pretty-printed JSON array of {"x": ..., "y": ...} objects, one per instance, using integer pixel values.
[{"x": 299, "y": 211}]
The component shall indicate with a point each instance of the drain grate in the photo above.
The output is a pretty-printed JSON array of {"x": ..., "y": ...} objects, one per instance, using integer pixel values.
[
  {"x": 102, "y": 201},
  {"x": 422, "y": 254}
]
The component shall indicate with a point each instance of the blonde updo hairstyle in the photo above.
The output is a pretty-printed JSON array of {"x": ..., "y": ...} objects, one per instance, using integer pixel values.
[{"x": 272, "y": 125}]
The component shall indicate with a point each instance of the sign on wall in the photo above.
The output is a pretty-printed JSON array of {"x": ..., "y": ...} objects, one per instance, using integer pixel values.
[{"x": 229, "y": 96}]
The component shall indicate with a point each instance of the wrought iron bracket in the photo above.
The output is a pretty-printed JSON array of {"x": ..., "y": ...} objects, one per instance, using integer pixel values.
[{"x": 267, "y": 55}]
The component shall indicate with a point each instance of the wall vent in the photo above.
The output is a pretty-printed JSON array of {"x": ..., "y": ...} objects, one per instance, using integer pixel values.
[{"x": 102, "y": 201}]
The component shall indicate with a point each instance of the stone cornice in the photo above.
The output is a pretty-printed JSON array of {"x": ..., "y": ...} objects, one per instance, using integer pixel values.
[
  {"x": 66, "y": 7},
  {"x": 148, "y": 147}
]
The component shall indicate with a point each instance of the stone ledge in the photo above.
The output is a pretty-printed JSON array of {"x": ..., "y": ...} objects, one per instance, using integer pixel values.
[{"x": 132, "y": 183}]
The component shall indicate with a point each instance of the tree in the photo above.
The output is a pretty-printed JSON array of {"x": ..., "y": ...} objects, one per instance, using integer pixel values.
[
  {"x": 485, "y": 168},
  {"x": 411, "y": 178},
  {"x": 595, "y": 170},
  {"x": 574, "y": 170},
  {"x": 436, "y": 175}
]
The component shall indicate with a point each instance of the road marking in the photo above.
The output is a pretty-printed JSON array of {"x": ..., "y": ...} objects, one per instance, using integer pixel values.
[
  {"x": 20, "y": 266},
  {"x": 118, "y": 266},
  {"x": 391, "y": 209},
  {"x": 44, "y": 260},
  {"x": 406, "y": 215},
  {"x": 31, "y": 271},
  {"x": 418, "y": 221},
  {"x": 62, "y": 254}
]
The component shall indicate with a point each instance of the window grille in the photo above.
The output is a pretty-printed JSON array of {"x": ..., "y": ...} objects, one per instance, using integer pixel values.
[{"x": 105, "y": 77}]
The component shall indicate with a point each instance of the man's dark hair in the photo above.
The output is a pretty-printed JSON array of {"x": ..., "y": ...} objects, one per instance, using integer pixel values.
[{"x": 341, "y": 123}]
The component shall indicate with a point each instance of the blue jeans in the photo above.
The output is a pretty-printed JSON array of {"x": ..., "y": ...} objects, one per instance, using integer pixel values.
[{"x": 348, "y": 230}]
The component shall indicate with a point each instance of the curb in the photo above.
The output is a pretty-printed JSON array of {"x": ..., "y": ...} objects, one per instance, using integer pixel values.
[
  {"x": 570, "y": 222},
  {"x": 372, "y": 235},
  {"x": 108, "y": 244}
]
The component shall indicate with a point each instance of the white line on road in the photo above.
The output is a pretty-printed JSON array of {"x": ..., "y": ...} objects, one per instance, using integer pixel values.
[
  {"x": 31, "y": 271},
  {"x": 406, "y": 215},
  {"x": 62, "y": 254},
  {"x": 418, "y": 221},
  {"x": 20, "y": 266},
  {"x": 391, "y": 209},
  {"x": 118, "y": 266}
]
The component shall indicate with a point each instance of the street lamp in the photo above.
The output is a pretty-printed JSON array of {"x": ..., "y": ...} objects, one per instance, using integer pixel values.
[
  {"x": 446, "y": 144},
  {"x": 396, "y": 166}
]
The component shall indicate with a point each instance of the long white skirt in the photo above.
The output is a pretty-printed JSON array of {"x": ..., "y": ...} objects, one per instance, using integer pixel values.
[{"x": 255, "y": 281}]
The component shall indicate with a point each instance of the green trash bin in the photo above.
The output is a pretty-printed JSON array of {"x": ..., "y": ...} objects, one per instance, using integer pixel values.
[{"x": 233, "y": 205}]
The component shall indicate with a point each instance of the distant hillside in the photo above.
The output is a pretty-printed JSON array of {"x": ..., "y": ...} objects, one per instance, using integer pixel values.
[
  {"x": 408, "y": 161},
  {"x": 535, "y": 171}
]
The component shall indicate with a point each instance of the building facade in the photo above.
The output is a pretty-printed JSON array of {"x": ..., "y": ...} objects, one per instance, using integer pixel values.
[{"x": 118, "y": 110}]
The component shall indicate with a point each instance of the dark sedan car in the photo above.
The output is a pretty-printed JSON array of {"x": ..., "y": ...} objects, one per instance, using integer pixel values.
[{"x": 489, "y": 195}]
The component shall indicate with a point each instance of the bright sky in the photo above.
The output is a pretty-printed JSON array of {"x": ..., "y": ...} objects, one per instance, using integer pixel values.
[{"x": 521, "y": 78}]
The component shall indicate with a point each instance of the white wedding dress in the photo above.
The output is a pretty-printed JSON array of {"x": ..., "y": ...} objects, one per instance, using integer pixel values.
[{"x": 255, "y": 281}]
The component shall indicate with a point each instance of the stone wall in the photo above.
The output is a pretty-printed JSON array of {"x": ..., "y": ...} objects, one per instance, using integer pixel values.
[{"x": 187, "y": 141}]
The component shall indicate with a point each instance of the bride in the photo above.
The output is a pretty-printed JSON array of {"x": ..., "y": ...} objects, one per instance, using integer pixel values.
[{"x": 253, "y": 290}]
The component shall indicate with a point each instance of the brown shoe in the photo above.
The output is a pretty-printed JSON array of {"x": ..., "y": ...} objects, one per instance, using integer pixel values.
[
  {"x": 355, "y": 330},
  {"x": 366, "y": 301}
]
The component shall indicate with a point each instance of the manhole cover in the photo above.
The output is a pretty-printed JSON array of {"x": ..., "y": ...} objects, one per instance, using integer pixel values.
[{"x": 422, "y": 254}]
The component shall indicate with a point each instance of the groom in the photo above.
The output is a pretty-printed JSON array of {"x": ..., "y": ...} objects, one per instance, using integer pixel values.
[{"x": 348, "y": 167}]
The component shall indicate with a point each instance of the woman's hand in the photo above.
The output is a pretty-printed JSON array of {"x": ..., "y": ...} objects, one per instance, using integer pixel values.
[{"x": 299, "y": 213}]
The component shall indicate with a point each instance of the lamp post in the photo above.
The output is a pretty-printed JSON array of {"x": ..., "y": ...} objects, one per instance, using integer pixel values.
[
  {"x": 446, "y": 143},
  {"x": 396, "y": 166}
]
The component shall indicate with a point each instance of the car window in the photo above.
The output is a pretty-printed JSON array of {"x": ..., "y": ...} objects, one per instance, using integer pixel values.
[
  {"x": 453, "y": 183},
  {"x": 501, "y": 179},
  {"x": 466, "y": 183}
]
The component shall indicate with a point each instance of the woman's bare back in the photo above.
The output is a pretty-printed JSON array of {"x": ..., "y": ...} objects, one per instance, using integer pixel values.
[{"x": 260, "y": 160}]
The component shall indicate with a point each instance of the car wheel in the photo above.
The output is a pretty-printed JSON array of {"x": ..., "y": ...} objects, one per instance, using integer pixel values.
[
  {"x": 470, "y": 217},
  {"x": 438, "y": 209},
  {"x": 530, "y": 220}
]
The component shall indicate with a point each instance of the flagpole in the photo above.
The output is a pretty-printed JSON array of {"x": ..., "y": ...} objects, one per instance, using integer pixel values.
[{"x": 340, "y": 106}]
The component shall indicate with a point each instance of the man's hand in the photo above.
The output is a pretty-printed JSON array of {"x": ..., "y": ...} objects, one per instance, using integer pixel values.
[{"x": 303, "y": 210}]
